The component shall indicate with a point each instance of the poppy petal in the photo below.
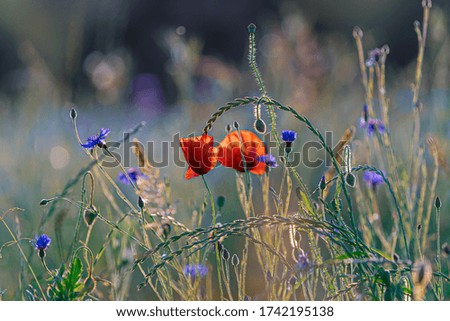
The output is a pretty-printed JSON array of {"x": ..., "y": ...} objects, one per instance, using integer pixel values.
[
  {"x": 199, "y": 153},
  {"x": 240, "y": 151},
  {"x": 190, "y": 174}
]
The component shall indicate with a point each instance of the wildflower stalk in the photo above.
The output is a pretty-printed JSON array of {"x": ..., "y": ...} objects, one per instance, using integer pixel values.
[
  {"x": 214, "y": 222},
  {"x": 440, "y": 291},
  {"x": 2, "y": 219},
  {"x": 80, "y": 215},
  {"x": 421, "y": 39}
]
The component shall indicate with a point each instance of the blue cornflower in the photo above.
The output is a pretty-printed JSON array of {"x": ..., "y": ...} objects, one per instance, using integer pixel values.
[
  {"x": 42, "y": 242},
  {"x": 269, "y": 159},
  {"x": 373, "y": 179},
  {"x": 302, "y": 262},
  {"x": 133, "y": 172},
  {"x": 372, "y": 125},
  {"x": 288, "y": 136},
  {"x": 194, "y": 271},
  {"x": 97, "y": 140}
]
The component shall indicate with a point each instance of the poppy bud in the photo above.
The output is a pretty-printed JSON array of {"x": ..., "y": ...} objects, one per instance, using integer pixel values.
[
  {"x": 396, "y": 257},
  {"x": 251, "y": 28},
  {"x": 236, "y": 125},
  {"x": 225, "y": 254},
  {"x": 140, "y": 203},
  {"x": 220, "y": 201},
  {"x": 235, "y": 260},
  {"x": 44, "y": 202},
  {"x": 350, "y": 179},
  {"x": 228, "y": 128},
  {"x": 73, "y": 113},
  {"x": 437, "y": 202},
  {"x": 260, "y": 126}
]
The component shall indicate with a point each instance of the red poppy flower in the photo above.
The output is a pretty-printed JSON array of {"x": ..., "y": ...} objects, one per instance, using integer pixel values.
[
  {"x": 233, "y": 147},
  {"x": 199, "y": 154}
]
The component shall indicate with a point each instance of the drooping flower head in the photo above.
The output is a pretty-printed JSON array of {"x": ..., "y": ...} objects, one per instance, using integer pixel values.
[
  {"x": 372, "y": 179},
  {"x": 288, "y": 135},
  {"x": 133, "y": 172},
  {"x": 269, "y": 160},
  {"x": 240, "y": 150},
  {"x": 97, "y": 140},
  {"x": 194, "y": 271},
  {"x": 199, "y": 154}
]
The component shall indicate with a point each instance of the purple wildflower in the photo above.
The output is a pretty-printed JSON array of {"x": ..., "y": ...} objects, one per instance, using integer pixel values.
[
  {"x": 302, "y": 262},
  {"x": 373, "y": 179},
  {"x": 372, "y": 125},
  {"x": 288, "y": 136},
  {"x": 269, "y": 159},
  {"x": 194, "y": 271},
  {"x": 133, "y": 172},
  {"x": 97, "y": 140},
  {"x": 42, "y": 242}
]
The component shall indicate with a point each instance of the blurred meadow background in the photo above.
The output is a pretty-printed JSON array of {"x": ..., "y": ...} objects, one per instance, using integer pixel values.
[{"x": 172, "y": 64}]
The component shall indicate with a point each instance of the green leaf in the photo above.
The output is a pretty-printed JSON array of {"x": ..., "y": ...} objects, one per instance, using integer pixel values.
[
  {"x": 382, "y": 254},
  {"x": 307, "y": 203},
  {"x": 352, "y": 255},
  {"x": 74, "y": 274}
]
